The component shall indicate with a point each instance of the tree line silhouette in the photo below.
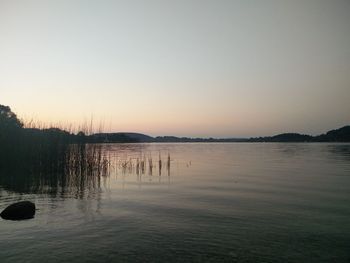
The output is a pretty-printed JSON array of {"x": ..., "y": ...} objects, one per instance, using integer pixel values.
[{"x": 54, "y": 149}]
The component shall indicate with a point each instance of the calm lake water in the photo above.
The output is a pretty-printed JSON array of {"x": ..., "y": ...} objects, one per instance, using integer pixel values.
[{"x": 229, "y": 202}]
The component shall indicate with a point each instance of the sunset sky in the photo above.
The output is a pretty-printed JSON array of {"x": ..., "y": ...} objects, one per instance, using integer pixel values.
[{"x": 185, "y": 68}]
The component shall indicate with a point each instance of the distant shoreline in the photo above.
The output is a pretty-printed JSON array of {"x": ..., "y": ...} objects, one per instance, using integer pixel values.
[
  {"x": 12, "y": 127},
  {"x": 54, "y": 150},
  {"x": 337, "y": 135}
]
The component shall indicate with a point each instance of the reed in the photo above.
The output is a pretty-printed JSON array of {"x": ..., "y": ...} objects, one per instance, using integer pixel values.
[
  {"x": 150, "y": 165},
  {"x": 33, "y": 147},
  {"x": 35, "y": 150},
  {"x": 160, "y": 165},
  {"x": 168, "y": 164}
]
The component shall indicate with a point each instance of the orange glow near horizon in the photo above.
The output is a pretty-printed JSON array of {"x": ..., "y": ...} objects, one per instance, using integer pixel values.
[{"x": 230, "y": 69}]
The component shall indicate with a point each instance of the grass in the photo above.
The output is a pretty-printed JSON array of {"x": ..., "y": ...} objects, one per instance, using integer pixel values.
[{"x": 47, "y": 155}]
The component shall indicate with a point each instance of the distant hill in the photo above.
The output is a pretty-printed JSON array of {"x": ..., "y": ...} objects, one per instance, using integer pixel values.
[
  {"x": 13, "y": 132},
  {"x": 120, "y": 137},
  {"x": 187, "y": 139},
  {"x": 284, "y": 137},
  {"x": 338, "y": 135}
]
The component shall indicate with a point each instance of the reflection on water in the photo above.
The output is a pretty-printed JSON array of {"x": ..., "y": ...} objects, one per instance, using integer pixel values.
[
  {"x": 339, "y": 151},
  {"x": 224, "y": 202},
  {"x": 78, "y": 180}
]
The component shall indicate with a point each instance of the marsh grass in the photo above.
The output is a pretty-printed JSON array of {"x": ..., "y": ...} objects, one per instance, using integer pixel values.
[
  {"x": 142, "y": 165},
  {"x": 33, "y": 152},
  {"x": 51, "y": 155}
]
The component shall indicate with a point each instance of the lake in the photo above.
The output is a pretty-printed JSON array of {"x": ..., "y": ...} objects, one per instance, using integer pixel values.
[{"x": 209, "y": 202}]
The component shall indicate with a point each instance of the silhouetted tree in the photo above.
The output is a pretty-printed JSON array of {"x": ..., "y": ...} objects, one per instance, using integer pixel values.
[
  {"x": 8, "y": 119},
  {"x": 10, "y": 126},
  {"x": 10, "y": 131}
]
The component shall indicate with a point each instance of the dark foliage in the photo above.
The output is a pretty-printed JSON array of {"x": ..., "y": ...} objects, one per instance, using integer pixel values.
[
  {"x": 8, "y": 119},
  {"x": 48, "y": 151},
  {"x": 114, "y": 137},
  {"x": 338, "y": 135},
  {"x": 284, "y": 137},
  {"x": 58, "y": 151}
]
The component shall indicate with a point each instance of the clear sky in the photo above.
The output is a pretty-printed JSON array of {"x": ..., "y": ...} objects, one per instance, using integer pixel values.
[{"x": 181, "y": 67}]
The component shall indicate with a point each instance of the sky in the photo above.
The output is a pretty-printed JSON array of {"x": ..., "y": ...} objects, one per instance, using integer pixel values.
[{"x": 185, "y": 67}]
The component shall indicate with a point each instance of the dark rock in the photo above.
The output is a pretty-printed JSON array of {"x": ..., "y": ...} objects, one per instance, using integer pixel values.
[{"x": 19, "y": 211}]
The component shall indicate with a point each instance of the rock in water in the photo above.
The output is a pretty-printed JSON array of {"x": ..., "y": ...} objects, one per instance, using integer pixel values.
[{"x": 19, "y": 211}]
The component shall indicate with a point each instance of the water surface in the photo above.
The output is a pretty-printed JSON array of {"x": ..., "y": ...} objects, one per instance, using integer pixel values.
[{"x": 225, "y": 202}]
